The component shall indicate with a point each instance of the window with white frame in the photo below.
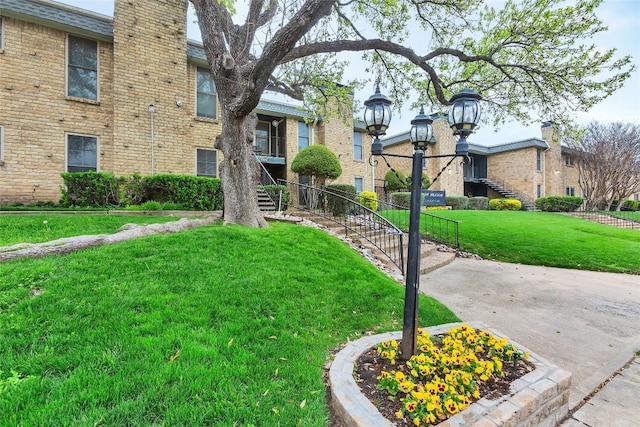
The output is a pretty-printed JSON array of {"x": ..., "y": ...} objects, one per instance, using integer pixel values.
[
  {"x": 82, "y": 68},
  {"x": 568, "y": 160},
  {"x": 82, "y": 153},
  {"x": 358, "y": 181},
  {"x": 206, "y": 162},
  {"x": 206, "y": 94},
  {"x": 357, "y": 146},
  {"x": 570, "y": 191},
  {"x": 1, "y": 34}
]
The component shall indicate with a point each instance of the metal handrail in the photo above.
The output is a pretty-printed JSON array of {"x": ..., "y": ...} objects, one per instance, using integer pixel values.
[
  {"x": 271, "y": 179},
  {"x": 354, "y": 217}
]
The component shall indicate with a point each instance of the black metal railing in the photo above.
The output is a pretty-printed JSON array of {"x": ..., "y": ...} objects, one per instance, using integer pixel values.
[
  {"x": 343, "y": 211},
  {"x": 620, "y": 219}
]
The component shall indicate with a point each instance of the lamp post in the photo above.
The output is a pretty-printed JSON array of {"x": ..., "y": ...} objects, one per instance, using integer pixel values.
[{"x": 464, "y": 116}]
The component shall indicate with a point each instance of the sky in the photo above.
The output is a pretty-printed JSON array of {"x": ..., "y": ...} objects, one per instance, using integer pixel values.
[{"x": 621, "y": 16}]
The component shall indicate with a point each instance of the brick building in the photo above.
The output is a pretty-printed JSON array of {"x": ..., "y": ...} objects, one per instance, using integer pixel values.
[
  {"x": 81, "y": 91},
  {"x": 526, "y": 169}
]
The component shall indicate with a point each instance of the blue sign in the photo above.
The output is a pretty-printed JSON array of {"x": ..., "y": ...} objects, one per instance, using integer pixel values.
[{"x": 434, "y": 198}]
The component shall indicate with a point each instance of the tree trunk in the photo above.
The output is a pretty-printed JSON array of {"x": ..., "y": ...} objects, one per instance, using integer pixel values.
[{"x": 239, "y": 170}]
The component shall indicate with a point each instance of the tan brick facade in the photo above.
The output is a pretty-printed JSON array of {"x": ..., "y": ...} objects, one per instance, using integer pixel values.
[{"x": 144, "y": 61}]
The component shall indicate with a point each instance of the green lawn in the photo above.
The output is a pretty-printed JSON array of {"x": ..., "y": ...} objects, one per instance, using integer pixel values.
[
  {"x": 36, "y": 228},
  {"x": 550, "y": 239},
  {"x": 219, "y": 325}
]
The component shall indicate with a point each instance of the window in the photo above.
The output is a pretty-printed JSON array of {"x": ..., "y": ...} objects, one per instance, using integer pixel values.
[
  {"x": 568, "y": 160},
  {"x": 359, "y": 183},
  {"x": 538, "y": 159},
  {"x": 206, "y": 162},
  {"x": 1, "y": 38},
  {"x": 303, "y": 135},
  {"x": 539, "y": 191},
  {"x": 570, "y": 191},
  {"x": 207, "y": 100},
  {"x": 82, "y": 68},
  {"x": 82, "y": 153},
  {"x": 357, "y": 146}
]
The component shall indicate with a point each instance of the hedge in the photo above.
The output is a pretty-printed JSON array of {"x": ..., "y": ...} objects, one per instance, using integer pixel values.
[
  {"x": 369, "y": 199},
  {"x": 401, "y": 200},
  {"x": 558, "y": 203},
  {"x": 505, "y": 204},
  {"x": 458, "y": 203},
  {"x": 89, "y": 189},
  {"x": 99, "y": 189},
  {"x": 192, "y": 192},
  {"x": 630, "y": 205},
  {"x": 479, "y": 203},
  {"x": 339, "y": 205}
]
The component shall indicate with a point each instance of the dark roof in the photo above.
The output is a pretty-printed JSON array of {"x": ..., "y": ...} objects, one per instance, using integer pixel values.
[
  {"x": 286, "y": 110},
  {"x": 195, "y": 52},
  {"x": 60, "y": 16}
]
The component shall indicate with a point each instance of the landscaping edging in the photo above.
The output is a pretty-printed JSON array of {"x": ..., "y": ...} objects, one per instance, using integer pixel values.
[{"x": 539, "y": 398}]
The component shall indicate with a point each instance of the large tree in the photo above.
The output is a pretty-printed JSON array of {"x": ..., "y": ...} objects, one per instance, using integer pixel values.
[
  {"x": 607, "y": 156},
  {"x": 525, "y": 59}
]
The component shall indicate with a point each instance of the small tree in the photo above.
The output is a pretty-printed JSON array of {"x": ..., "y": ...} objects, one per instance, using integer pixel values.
[{"x": 318, "y": 162}]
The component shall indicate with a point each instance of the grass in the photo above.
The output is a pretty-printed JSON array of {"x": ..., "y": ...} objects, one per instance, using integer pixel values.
[
  {"x": 550, "y": 239},
  {"x": 220, "y": 325},
  {"x": 32, "y": 228}
]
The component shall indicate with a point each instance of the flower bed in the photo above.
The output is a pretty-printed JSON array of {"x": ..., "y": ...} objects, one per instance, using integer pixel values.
[{"x": 538, "y": 398}]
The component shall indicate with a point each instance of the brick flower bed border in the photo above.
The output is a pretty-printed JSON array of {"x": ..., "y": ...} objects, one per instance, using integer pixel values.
[{"x": 539, "y": 398}]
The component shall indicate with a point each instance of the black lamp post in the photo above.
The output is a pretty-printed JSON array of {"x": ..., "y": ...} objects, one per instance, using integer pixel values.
[
  {"x": 463, "y": 118},
  {"x": 377, "y": 116}
]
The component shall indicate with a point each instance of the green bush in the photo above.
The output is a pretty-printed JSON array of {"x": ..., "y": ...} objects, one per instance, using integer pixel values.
[
  {"x": 630, "y": 205},
  {"x": 89, "y": 189},
  {"x": 151, "y": 206},
  {"x": 130, "y": 190},
  {"x": 192, "y": 192},
  {"x": 401, "y": 199},
  {"x": 274, "y": 192},
  {"x": 479, "y": 203},
  {"x": 369, "y": 199},
  {"x": 558, "y": 203},
  {"x": 505, "y": 204},
  {"x": 395, "y": 181},
  {"x": 317, "y": 160},
  {"x": 426, "y": 182},
  {"x": 338, "y": 205},
  {"x": 458, "y": 203}
]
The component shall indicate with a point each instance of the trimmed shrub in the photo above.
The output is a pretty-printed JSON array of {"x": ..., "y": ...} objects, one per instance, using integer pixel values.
[
  {"x": 276, "y": 192},
  {"x": 396, "y": 181},
  {"x": 89, "y": 189},
  {"x": 426, "y": 182},
  {"x": 338, "y": 205},
  {"x": 401, "y": 200},
  {"x": 369, "y": 199},
  {"x": 479, "y": 203},
  {"x": 458, "y": 203},
  {"x": 192, "y": 192},
  {"x": 130, "y": 190},
  {"x": 558, "y": 203},
  {"x": 505, "y": 204},
  {"x": 630, "y": 205},
  {"x": 317, "y": 160}
]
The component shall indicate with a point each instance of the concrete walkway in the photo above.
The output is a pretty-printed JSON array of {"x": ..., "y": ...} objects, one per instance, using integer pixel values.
[{"x": 585, "y": 322}]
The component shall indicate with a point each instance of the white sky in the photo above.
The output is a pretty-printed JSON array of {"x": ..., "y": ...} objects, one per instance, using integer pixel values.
[{"x": 621, "y": 16}]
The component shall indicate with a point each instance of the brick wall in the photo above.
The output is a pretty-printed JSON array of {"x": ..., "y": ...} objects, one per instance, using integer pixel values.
[{"x": 36, "y": 115}]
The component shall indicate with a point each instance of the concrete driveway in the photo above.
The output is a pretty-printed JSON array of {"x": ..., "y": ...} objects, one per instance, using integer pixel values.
[{"x": 585, "y": 322}]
